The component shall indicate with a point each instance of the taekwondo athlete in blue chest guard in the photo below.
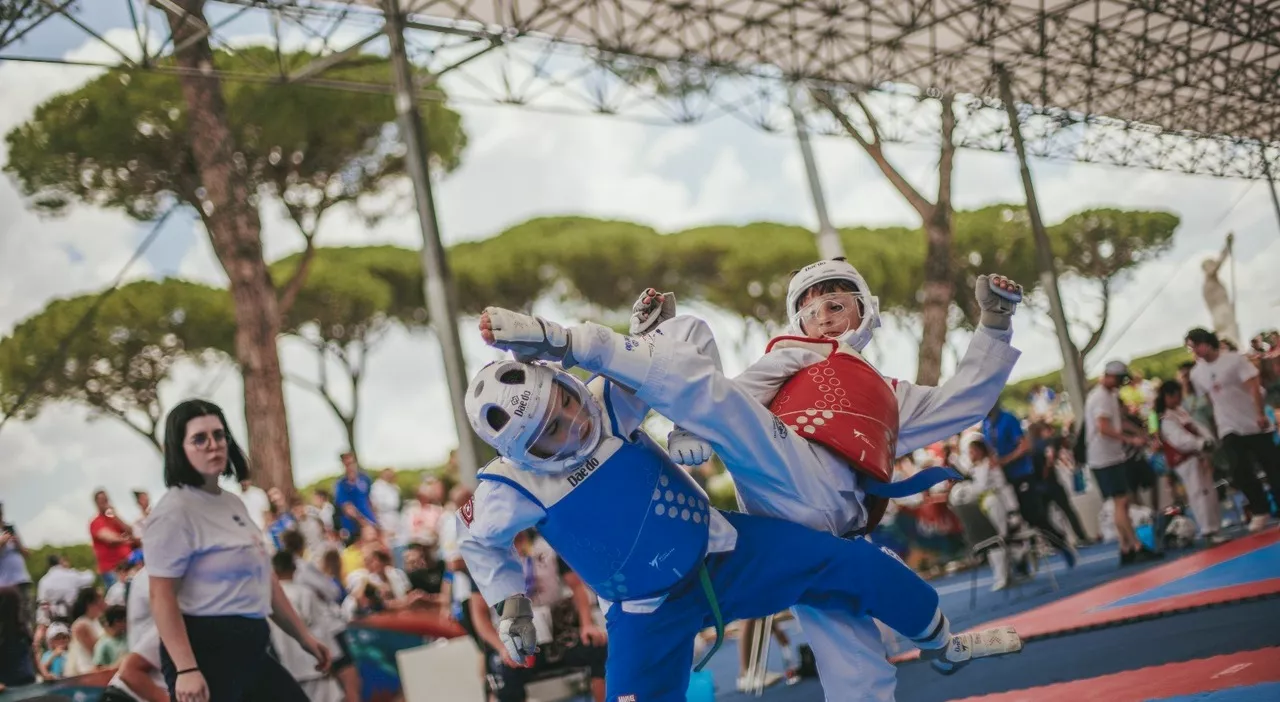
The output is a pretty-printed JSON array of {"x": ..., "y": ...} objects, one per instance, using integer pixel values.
[{"x": 642, "y": 534}]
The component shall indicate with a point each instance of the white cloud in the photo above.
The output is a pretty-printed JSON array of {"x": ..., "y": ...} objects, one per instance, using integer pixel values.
[{"x": 523, "y": 164}]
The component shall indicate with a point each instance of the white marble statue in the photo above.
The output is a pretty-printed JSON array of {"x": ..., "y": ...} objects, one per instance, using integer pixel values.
[{"x": 1221, "y": 311}]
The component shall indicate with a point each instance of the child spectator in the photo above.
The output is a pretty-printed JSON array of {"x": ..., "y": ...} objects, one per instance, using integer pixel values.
[
  {"x": 53, "y": 664},
  {"x": 112, "y": 645}
]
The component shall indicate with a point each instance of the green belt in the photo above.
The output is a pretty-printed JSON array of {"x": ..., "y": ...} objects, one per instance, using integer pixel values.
[{"x": 705, "y": 579}]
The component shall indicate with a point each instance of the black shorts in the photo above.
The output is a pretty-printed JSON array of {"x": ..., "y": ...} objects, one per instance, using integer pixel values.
[
  {"x": 1122, "y": 478},
  {"x": 343, "y": 657}
]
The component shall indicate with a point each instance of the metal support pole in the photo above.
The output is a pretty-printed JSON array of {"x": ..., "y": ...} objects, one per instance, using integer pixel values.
[
  {"x": 1072, "y": 372},
  {"x": 438, "y": 284},
  {"x": 1271, "y": 188},
  {"x": 829, "y": 244}
]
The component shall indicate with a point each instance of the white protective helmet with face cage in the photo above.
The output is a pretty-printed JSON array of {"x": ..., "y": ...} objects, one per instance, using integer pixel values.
[
  {"x": 827, "y": 270},
  {"x": 509, "y": 406}
]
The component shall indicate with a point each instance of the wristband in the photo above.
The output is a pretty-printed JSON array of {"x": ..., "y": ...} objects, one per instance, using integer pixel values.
[{"x": 188, "y": 670}]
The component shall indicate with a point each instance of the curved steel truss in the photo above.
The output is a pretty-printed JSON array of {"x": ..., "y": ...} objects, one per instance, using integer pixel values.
[{"x": 1177, "y": 85}]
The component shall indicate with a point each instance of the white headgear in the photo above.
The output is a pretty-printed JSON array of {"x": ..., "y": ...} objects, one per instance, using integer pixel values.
[
  {"x": 508, "y": 403},
  {"x": 835, "y": 269}
]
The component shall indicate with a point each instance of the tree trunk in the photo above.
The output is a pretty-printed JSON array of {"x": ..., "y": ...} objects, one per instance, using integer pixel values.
[
  {"x": 234, "y": 229},
  {"x": 938, "y": 289},
  {"x": 938, "y": 293}
]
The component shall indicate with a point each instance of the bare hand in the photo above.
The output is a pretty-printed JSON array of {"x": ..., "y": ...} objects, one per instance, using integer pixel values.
[
  {"x": 320, "y": 652},
  {"x": 593, "y": 635},
  {"x": 486, "y": 327},
  {"x": 1263, "y": 423},
  {"x": 510, "y": 662},
  {"x": 191, "y": 687}
]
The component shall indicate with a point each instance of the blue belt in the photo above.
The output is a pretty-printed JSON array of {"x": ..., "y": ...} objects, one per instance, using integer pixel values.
[{"x": 917, "y": 483}]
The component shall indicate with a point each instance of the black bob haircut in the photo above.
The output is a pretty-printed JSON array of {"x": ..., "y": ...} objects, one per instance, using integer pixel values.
[{"x": 177, "y": 469}]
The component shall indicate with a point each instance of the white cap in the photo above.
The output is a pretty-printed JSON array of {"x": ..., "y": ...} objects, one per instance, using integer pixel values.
[
  {"x": 55, "y": 630},
  {"x": 1116, "y": 368}
]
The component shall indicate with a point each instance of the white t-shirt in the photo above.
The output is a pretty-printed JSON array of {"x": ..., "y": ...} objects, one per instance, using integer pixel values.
[
  {"x": 115, "y": 594},
  {"x": 1102, "y": 451},
  {"x": 211, "y": 543},
  {"x": 396, "y": 581},
  {"x": 60, "y": 586},
  {"x": 258, "y": 504},
  {"x": 295, "y": 659},
  {"x": 147, "y": 646},
  {"x": 1234, "y": 410},
  {"x": 137, "y": 608},
  {"x": 385, "y": 499}
]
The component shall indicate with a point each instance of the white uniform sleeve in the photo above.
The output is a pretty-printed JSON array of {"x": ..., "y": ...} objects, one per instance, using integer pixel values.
[
  {"x": 499, "y": 512},
  {"x": 683, "y": 383},
  {"x": 929, "y": 414},
  {"x": 1174, "y": 433},
  {"x": 630, "y": 410}
]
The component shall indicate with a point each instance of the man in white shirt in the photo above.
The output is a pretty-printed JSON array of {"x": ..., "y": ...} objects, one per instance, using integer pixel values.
[
  {"x": 1108, "y": 456},
  {"x": 60, "y": 585},
  {"x": 1234, "y": 388},
  {"x": 384, "y": 495}
]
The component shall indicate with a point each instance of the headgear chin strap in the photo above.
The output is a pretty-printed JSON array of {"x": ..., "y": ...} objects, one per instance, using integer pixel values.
[{"x": 835, "y": 269}]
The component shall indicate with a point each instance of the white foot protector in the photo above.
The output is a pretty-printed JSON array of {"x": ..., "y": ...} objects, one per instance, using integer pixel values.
[{"x": 988, "y": 643}]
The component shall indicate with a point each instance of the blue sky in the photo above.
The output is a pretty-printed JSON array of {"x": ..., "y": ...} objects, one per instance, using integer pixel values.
[{"x": 522, "y": 164}]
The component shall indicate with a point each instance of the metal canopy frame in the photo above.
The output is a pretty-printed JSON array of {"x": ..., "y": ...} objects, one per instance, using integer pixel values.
[
  {"x": 1175, "y": 85},
  {"x": 1178, "y": 85}
]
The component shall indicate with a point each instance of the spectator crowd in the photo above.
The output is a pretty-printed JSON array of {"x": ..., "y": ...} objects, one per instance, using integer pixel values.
[{"x": 1188, "y": 455}]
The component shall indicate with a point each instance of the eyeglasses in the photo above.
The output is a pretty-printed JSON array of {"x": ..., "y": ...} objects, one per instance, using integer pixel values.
[{"x": 209, "y": 440}]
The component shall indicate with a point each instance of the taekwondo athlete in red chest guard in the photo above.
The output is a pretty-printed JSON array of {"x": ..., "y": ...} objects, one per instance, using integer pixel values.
[{"x": 819, "y": 387}]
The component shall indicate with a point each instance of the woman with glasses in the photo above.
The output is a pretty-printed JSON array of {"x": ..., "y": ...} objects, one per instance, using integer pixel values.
[{"x": 212, "y": 587}]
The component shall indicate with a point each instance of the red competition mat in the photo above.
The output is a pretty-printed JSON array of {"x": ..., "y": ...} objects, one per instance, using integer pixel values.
[
  {"x": 1244, "y": 569},
  {"x": 1238, "y": 677}
]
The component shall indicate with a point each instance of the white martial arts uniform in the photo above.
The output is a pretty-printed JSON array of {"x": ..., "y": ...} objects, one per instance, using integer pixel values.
[
  {"x": 1181, "y": 431},
  {"x": 778, "y": 473},
  {"x": 988, "y": 487}
]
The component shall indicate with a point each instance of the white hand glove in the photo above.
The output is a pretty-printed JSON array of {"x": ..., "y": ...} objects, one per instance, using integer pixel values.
[
  {"x": 998, "y": 297},
  {"x": 516, "y": 628},
  {"x": 687, "y": 449},
  {"x": 651, "y": 309},
  {"x": 528, "y": 338}
]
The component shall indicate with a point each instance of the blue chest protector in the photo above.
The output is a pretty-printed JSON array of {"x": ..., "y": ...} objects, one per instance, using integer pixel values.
[{"x": 630, "y": 522}]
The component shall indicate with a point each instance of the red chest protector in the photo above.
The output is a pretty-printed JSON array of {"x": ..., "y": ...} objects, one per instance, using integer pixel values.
[
  {"x": 844, "y": 404},
  {"x": 1172, "y": 456}
]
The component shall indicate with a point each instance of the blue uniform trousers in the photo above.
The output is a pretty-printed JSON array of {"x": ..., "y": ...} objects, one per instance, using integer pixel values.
[{"x": 776, "y": 564}]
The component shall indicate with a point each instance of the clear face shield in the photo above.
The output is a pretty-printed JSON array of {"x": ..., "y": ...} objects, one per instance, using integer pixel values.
[
  {"x": 829, "y": 316},
  {"x": 566, "y": 428}
]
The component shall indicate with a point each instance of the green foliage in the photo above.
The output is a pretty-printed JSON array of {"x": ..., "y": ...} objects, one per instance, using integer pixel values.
[
  {"x": 121, "y": 140},
  {"x": 353, "y": 292},
  {"x": 80, "y": 555},
  {"x": 745, "y": 269},
  {"x": 116, "y": 363}
]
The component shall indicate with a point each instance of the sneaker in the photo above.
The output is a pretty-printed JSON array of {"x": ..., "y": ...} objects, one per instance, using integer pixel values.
[
  {"x": 1069, "y": 555},
  {"x": 1258, "y": 523},
  {"x": 1145, "y": 554},
  {"x": 1128, "y": 557},
  {"x": 1215, "y": 538},
  {"x": 963, "y": 648},
  {"x": 747, "y": 684}
]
